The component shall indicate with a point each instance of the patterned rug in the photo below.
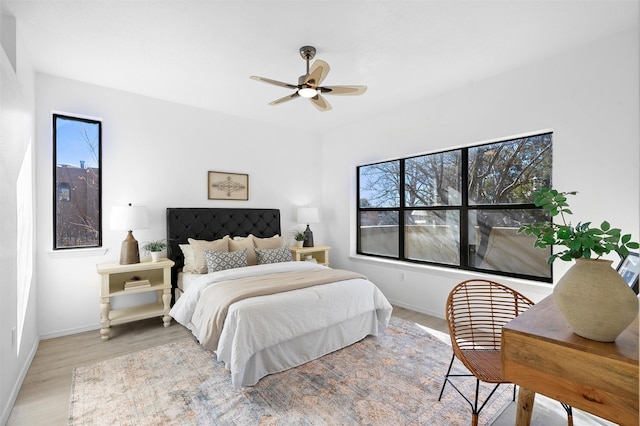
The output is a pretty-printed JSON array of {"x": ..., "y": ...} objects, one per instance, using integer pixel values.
[{"x": 392, "y": 379}]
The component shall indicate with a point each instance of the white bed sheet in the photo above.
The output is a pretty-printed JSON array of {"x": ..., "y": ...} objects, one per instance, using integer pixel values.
[{"x": 268, "y": 334}]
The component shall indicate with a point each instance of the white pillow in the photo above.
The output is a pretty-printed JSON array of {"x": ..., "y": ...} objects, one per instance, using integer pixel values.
[
  {"x": 200, "y": 246},
  {"x": 189, "y": 262},
  {"x": 219, "y": 261}
]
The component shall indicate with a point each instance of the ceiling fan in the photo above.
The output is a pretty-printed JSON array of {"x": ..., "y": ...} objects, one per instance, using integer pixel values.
[{"x": 309, "y": 84}]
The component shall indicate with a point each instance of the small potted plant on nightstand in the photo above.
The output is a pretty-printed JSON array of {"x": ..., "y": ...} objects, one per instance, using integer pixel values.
[
  {"x": 299, "y": 237},
  {"x": 155, "y": 247}
]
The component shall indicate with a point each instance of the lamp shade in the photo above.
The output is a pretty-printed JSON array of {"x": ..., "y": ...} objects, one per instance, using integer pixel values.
[
  {"x": 129, "y": 217},
  {"x": 308, "y": 215}
]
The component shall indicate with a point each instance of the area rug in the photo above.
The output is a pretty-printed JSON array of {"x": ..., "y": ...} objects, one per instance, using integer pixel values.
[{"x": 391, "y": 379}]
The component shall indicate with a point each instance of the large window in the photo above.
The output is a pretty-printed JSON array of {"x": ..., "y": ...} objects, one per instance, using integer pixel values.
[
  {"x": 459, "y": 208},
  {"x": 77, "y": 190}
]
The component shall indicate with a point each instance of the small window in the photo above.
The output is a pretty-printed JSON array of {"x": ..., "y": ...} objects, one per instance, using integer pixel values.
[{"x": 77, "y": 182}]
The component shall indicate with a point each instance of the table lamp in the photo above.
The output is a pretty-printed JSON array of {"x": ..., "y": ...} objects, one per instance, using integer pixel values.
[
  {"x": 129, "y": 218},
  {"x": 308, "y": 215}
]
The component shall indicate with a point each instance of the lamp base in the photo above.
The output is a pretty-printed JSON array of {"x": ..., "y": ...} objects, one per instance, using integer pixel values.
[
  {"x": 129, "y": 250},
  {"x": 308, "y": 237}
]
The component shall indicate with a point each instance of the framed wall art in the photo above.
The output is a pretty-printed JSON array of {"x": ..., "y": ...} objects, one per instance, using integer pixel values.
[
  {"x": 629, "y": 269},
  {"x": 228, "y": 186}
]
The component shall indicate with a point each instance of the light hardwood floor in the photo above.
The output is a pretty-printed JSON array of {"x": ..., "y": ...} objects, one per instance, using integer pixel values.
[{"x": 44, "y": 396}]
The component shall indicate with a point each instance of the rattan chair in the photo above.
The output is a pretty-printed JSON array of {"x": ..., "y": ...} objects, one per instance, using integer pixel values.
[{"x": 476, "y": 312}]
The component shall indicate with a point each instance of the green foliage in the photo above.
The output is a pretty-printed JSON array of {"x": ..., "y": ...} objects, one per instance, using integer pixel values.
[
  {"x": 299, "y": 236},
  {"x": 155, "y": 245},
  {"x": 580, "y": 241}
]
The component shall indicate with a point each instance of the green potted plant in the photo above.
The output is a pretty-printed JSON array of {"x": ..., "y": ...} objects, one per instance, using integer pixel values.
[
  {"x": 597, "y": 303},
  {"x": 155, "y": 247},
  {"x": 299, "y": 237},
  {"x": 579, "y": 241}
]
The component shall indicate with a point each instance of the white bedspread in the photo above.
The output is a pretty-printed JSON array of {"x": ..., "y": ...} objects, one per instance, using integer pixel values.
[{"x": 259, "y": 324}]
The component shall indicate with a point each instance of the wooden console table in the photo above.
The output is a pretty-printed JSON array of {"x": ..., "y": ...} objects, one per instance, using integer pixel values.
[{"x": 541, "y": 354}]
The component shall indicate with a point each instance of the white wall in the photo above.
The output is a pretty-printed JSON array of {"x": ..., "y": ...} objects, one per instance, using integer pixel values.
[
  {"x": 16, "y": 134},
  {"x": 156, "y": 154},
  {"x": 589, "y": 97}
]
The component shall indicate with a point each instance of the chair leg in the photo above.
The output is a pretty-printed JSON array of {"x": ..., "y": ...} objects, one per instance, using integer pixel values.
[
  {"x": 569, "y": 411},
  {"x": 446, "y": 376},
  {"x": 475, "y": 410},
  {"x": 474, "y": 407}
]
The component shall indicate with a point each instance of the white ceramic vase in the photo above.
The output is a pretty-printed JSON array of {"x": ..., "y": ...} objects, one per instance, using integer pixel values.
[
  {"x": 594, "y": 299},
  {"x": 155, "y": 256}
]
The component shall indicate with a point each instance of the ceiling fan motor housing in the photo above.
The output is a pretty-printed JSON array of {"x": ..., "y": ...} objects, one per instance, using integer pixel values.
[{"x": 307, "y": 52}]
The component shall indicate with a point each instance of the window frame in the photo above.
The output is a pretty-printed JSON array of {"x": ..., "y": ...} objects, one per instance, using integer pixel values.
[
  {"x": 464, "y": 210},
  {"x": 95, "y": 121}
]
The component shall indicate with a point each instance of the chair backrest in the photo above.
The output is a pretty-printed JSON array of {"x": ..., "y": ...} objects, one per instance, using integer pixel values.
[{"x": 476, "y": 311}]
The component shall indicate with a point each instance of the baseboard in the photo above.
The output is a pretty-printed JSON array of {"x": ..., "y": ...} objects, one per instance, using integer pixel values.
[
  {"x": 6, "y": 410},
  {"x": 417, "y": 309},
  {"x": 70, "y": 331}
]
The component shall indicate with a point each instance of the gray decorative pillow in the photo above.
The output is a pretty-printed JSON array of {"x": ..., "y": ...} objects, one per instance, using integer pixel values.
[
  {"x": 219, "y": 260},
  {"x": 282, "y": 254}
]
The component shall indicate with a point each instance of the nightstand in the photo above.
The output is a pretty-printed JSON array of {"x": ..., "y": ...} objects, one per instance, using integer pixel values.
[
  {"x": 319, "y": 253},
  {"x": 113, "y": 277}
]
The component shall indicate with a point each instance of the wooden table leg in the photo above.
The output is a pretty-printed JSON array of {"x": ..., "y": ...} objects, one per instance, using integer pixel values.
[{"x": 524, "y": 409}]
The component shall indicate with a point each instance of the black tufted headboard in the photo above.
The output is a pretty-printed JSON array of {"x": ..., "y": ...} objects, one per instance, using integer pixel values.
[{"x": 214, "y": 223}]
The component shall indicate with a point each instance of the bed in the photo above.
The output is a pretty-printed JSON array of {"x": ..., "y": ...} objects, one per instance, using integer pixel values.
[{"x": 313, "y": 311}]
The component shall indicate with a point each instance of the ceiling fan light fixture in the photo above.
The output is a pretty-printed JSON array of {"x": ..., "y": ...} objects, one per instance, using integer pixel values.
[{"x": 307, "y": 92}]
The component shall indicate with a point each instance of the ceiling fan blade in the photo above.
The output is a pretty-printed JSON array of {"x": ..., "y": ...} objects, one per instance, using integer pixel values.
[
  {"x": 343, "y": 90},
  {"x": 318, "y": 72},
  {"x": 277, "y": 83},
  {"x": 285, "y": 99},
  {"x": 320, "y": 103}
]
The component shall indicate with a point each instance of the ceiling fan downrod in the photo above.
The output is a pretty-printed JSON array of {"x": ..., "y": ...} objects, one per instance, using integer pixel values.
[{"x": 307, "y": 53}]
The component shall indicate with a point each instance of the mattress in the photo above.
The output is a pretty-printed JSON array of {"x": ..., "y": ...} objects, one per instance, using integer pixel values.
[{"x": 185, "y": 279}]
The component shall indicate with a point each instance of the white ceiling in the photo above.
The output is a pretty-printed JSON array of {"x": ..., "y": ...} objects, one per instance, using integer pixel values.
[{"x": 201, "y": 53}]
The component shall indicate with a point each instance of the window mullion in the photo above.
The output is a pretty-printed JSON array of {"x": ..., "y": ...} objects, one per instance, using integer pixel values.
[
  {"x": 464, "y": 208},
  {"x": 401, "y": 212}
]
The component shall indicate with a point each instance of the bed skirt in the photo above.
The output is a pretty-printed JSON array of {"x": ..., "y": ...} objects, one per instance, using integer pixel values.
[{"x": 295, "y": 352}]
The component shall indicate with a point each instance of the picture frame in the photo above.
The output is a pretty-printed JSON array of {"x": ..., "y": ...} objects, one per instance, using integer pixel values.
[
  {"x": 629, "y": 269},
  {"x": 227, "y": 186}
]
